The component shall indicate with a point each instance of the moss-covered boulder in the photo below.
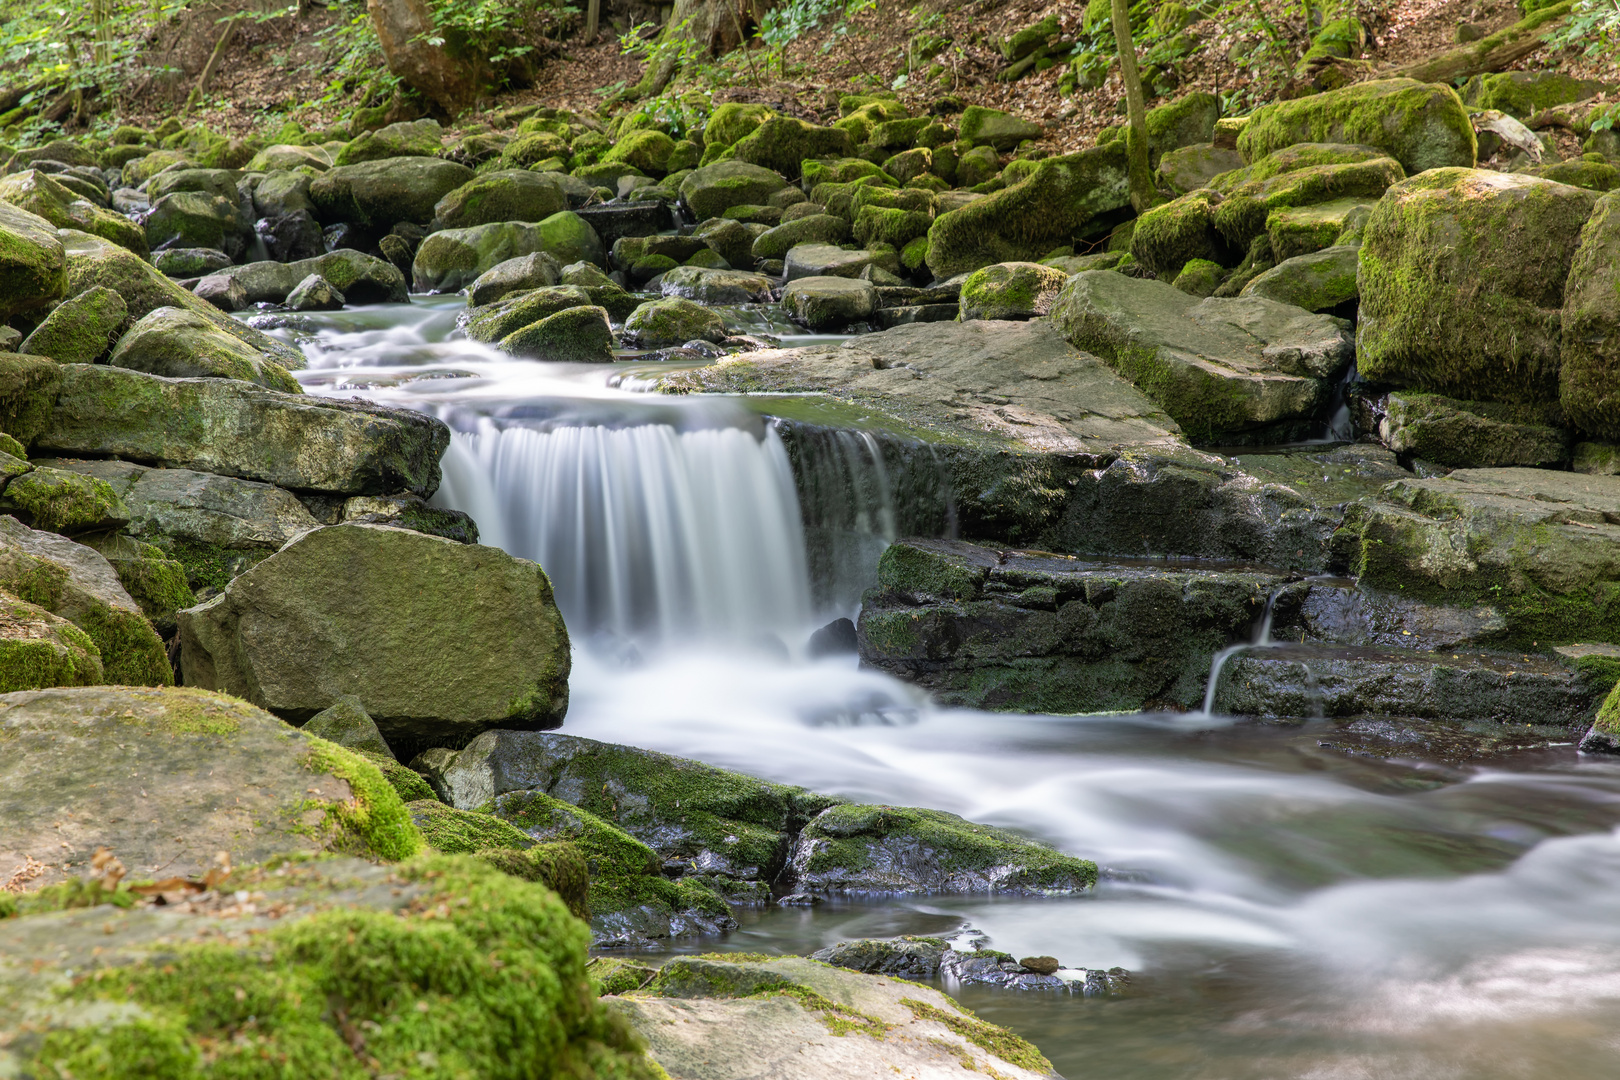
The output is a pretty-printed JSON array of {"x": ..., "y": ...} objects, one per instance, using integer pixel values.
[
  {"x": 39, "y": 194},
  {"x": 284, "y": 156},
  {"x": 381, "y": 194},
  {"x": 498, "y": 977},
  {"x": 1222, "y": 368},
  {"x": 194, "y": 219},
  {"x": 80, "y": 330},
  {"x": 40, "y": 650},
  {"x": 981, "y": 126},
  {"x": 716, "y": 286},
  {"x": 646, "y": 150},
  {"x": 1192, "y": 167},
  {"x": 815, "y": 229},
  {"x": 491, "y": 322},
  {"x": 1603, "y": 737},
  {"x": 74, "y": 582},
  {"x": 361, "y": 278},
  {"x": 1168, "y": 235},
  {"x": 575, "y": 335},
  {"x": 826, "y": 303},
  {"x": 1199, "y": 277},
  {"x": 1011, "y": 291},
  {"x": 1596, "y": 175},
  {"x": 1296, "y": 177},
  {"x": 783, "y": 143},
  {"x": 180, "y": 344},
  {"x": 221, "y": 182},
  {"x": 709, "y": 190},
  {"x": 282, "y": 193},
  {"x": 408, "y": 138},
  {"x": 1319, "y": 281},
  {"x": 439, "y": 640},
  {"x": 63, "y": 502},
  {"x": 33, "y": 267},
  {"x": 900, "y": 849},
  {"x": 735, "y": 1014},
  {"x": 1537, "y": 547},
  {"x": 1472, "y": 434},
  {"x": 536, "y": 270},
  {"x": 1469, "y": 248},
  {"x": 1025, "y": 221},
  {"x": 1300, "y": 230},
  {"x": 505, "y": 195},
  {"x": 1589, "y": 341},
  {"x": 1525, "y": 93},
  {"x": 1186, "y": 121},
  {"x": 1421, "y": 125},
  {"x": 660, "y": 324},
  {"x": 732, "y": 122},
  {"x": 92, "y": 261}
]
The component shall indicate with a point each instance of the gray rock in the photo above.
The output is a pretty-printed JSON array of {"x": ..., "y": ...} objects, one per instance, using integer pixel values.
[
  {"x": 453, "y": 258},
  {"x": 347, "y": 723},
  {"x": 1481, "y": 434},
  {"x": 535, "y": 270},
  {"x": 908, "y": 957},
  {"x": 194, "y": 219},
  {"x": 1189, "y": 168},
  {"x": 314, "y": 293},
  {"x": 179, "y": 344},
  {"x": 575, "y": 335},
  {"x": 1319, "y": 281},
  {"x": 347, "y": 448},
  {"x": 1011, "y": 291},
  {"x": 80, "y": 330},
  {"x": 709, "y": 190},
  {"x": 190, "y": 262},
  {"x": 361, "y": 278},
  {"x": 439, "y": 640},
  {"x": 221, "y": 291},
  {"x": 823, "y": 303},
  {"x": 282, "y": 193},
  {"x": 410, "y": 512},
  {"x": 825, "y": 260},
  {"x": 716, "y": 286}
]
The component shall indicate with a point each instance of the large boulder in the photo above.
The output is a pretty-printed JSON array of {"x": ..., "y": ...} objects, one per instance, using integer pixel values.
[
  {"x": 41, "y": 650},
  {"x": 33, "y": 268},
  {"x": 1479, "y": 434},
  {"x": 746, "y": 1016},
  {"x": 194, "y": 219},
  {"x": 166, "y": 779},
  {"x": 710, "y": 190},
  {"x": 40, "y": 195},
  {"x": 716, "y": 286},
  {"x": 1541, "y": 549},
  {"x": 1421, "y": 125},
  {"x": 1462, "y": 278},
  {"x": 576, "y": 335},
  {"x": 80, "y": 330},
  {"x": 1244, "y": 369},
  {"x": 361, "y": 278},
  {"x": 92, "y": 261},
  {"x": 826, "y": 303},
  {"x": 659, "y": 324},
  {"x": 981, "y": 126},
  {"x": 1320, "y": 281},
  {"x": 507, "y": 195},
  {"x": 536, "y": 270},
  {"x": 283, "y": 193},
  {"x": 240, "y": 429},
  {"x": 1026, "y": 220},
  {"x": 1016, "y": 290},
  {"x": 1589, "y": 350},
  {"x": 380, "y": 194},
  {"x": 451, "y": 259},
  {"x": 439, "y": 640},
  {"x": 181, "y": 344},
  {"x": 78, "y": 584},
  {"x": 491, "y": 322},
  {"x": 783, "y": 143},
  {"x": 408, "y": 138}
]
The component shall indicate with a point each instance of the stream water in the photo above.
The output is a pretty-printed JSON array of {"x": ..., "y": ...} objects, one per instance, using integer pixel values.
[{"x": 1286, "y": 909}]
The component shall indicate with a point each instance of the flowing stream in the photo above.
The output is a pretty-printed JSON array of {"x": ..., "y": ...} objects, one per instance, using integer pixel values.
[{"x": 1286, "y": 909}]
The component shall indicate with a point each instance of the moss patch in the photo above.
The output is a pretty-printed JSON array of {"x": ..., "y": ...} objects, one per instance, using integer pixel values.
[
  {"x": 993, "y": 1040},
  {"x": 374, "y": 822}
]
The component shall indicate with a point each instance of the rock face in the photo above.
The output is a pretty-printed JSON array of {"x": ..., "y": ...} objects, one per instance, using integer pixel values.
[
  {"x": 899, "y": 849},
  {"x": 75, "y": 582},
  {"x": 313, "y": 932},
  {"x": 33, "y": 268},
  {"x": 1469, "y": 247},
  {"x": 1589, "y": 356},
  {"x": 1052, "y": 634},
  {"x": 709, "y": 1018},
  {"x": 1423, "y": 126},
  {"x": 1541, "y": 549},
  {"x": 1241, "y": 369},
  {"x": 340, "y": 447},
  {"x": 439, "y": 640},
  {"x": 168, "y": 778}
]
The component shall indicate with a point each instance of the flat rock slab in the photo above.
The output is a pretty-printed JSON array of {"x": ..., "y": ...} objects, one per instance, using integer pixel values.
[
  {"x": 238, "y": 429},
  {"x": 1019, "y": 383},
  {"x": 1244, "y": 369},
  {"x": 165, "y": 778},
  {"x": 904, "y": 1029}
]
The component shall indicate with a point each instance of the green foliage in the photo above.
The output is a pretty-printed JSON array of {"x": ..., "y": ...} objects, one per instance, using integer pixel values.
[
  {"x": 1594, "y": 24},
  {"x": 788, "y": 22}
]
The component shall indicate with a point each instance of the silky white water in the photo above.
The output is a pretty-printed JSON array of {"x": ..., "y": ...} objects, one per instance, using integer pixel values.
[{"x": 1290, "y": 910}]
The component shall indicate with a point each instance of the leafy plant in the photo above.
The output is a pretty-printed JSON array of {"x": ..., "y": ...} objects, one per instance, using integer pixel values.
[{"x": 1594, "y": 24}]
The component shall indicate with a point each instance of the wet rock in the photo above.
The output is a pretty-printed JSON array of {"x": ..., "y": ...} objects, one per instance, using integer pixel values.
[
  {"x": 80, "y": 330},
  {"x": 340, "y": 447},
  {"x": 1472, "y": 433},
  {"x": 33, "y": 268},
  {"x": 1049, "y": 634},
  {"x": 907, "y": 957},
  {"x": 78, "y": 584},
  {"x": 380, "y": 194},
  {"x": 410, "y": 512},
  {"x": 716, "y": 286},
  {"x": 383, "y": 613},
  {"x": 825, "y": 303},
  {"x": 1319, "y": 281},
  {"x": 491, "y": 322},
  {"x": 1237, "y": 369},
  {"x": 535, "y": 270},
  {"x": 892, "y": 850},
  {"x": 179, "y": 344},
  {"x": 725, "y": 1020},
  {"x": 291, "y": 237},
  {"x": 659, "y": 324},
  {"x": 575, "y": 335},
  {"x": 1011, "y": 291},
  {"x": 837, "y": 637},
  {"x": 361, "y": 278},
  {"x": 1603, "y": 737},
  {"x": 39, "y": 194},
  {"x": 987, "y": 967},
  {"x": 314, "y": 293}
]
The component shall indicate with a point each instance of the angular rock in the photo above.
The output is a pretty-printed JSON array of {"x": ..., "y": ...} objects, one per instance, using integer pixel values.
[
  {"x": 33, "y": 268},
  {"x": 291, "y": 237},
  {"x": 1222, "y": 368},
  {"x": 155, "y": 582},
  {"x": 78, "y": 584},
  {"x": 1320, "y": 281},
  {"x": 381, "y": 194},
  {"x": 1192, "y": 167},
  {"x": 410, "y": 512},
  {"x": 80, "y": 330},
  {"x": 1478, "y": 434},
  {"x": 314, "y": 293},
  {"x": 190, "y": 262},
  {"x": 825, "y": 303},
  {"x": 347, "y": 723},
  {"x": 612, "y": 222},
  {"x": 194, "y": 219},
  {"x": 825, "y": 260},
  {"x": 1011, "y": 291},
  {"x": 63, "y": 502},
  {"x": 1477, "y": 249},
  {"x": 716, "y": 286},
  {"x": 299, "y": 442},
  {"x": 283, "y": 193},
  {"x": 994, "y": 128},
  {"x": 221, "y": 291},
  {"x": 39, "y": 650},
  {"x": 40, "y": 195},
  {"x": 179, "y": 344},
  {"x": 908, "y": 957},
  {"x": 1423, "y": 126},
  {"x": 900, "y": 850},
  {"x": 439, "y": 640}
]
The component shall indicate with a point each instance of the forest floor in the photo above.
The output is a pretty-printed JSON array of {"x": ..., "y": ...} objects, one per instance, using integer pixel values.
[{"x": 281, "y": 67}]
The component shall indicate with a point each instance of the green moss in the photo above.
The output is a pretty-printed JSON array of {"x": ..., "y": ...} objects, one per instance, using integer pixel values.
[
  {"x": 876, "y": 224},
  {"x": 406, "y": 781},
  {"x": 463, "y": 832},
  {"x": 993, "y": 1040},
  {"x": 480, "y": 975},
  {"x": 732, "y": 122},
  {"x": 64, "y": 502},
  {"x": 1199, "y": 277},
  {"x": 374, "y": 822},
  {"x": 210, "y": 567},
  {"x": 1525, "y": 93},
  {"x": 1169, "y": 235},
  {"x": 645, "y": 150},
  {"x": 733, "y": 975},
  {"x": 28, "y": 389},
  {"x": 613, "y": 975},
  {"x": 1600, "y": 673},
  {"x": 560, "y": 867},
  {"x": 1423, "y": 126},
  {"x": 131, "y": 652},
  {"x": 1608, "y": 716},
  {"x": 33, "y": 663},
  {"x": 784, "y": 143}
]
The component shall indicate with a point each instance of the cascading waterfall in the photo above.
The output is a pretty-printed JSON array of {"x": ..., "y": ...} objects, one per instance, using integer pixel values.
[
  {"x": 1262, "y": 639},
  {"x": 647, "y": 531}
]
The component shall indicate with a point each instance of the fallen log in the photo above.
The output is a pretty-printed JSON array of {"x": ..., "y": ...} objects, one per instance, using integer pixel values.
[{"x": 1492, "y": 53}]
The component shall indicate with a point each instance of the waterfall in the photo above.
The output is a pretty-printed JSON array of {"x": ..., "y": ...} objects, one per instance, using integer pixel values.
[
  {"x": 647, "y": 531},
  {"x": 1262, "y": 639}
]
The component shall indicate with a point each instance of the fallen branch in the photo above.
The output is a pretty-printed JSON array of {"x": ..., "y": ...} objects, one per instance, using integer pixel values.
[
  {"x": 1492, "y": 53},
  {"x": 212, "y": 66}
]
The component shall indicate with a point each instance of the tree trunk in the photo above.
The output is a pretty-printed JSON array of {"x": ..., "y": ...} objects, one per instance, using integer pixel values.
[
  {"x": 1136, "y": 139},
  {"x": 403, "y": 27},
  {"x": 207, "y": 76},
  {"x": 1491, "y": 53},
  {"x": 593, "y": 19},
  {"x": 713, "y": 26}
]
